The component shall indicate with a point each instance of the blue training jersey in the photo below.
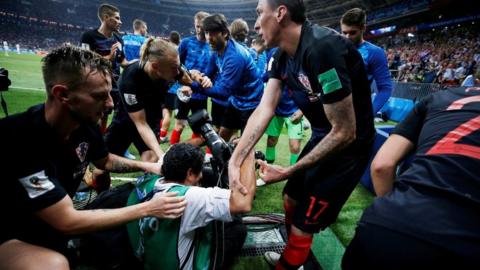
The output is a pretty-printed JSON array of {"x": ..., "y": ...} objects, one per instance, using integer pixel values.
[
  {"x": 376, "y": 66},
  {"x": 132, "y": 45},
  {"x": 194, "y": 54},
  {"x": 286, "y": 105},
  {"x": 237, "y": 78}
]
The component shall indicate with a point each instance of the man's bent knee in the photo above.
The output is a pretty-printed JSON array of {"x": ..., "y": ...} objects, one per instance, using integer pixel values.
[{"x": 15, "y": 254}]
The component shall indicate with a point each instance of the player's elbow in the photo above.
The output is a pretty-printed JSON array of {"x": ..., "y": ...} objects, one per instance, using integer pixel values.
[
  {"x": 381, "y": 166},
  {"x": 346, "y": 135},
  {"x": 239, "y": 206}
]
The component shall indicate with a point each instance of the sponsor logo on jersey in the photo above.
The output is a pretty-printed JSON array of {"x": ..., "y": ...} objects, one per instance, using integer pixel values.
[
  {"x": 82, "y": 150},
  {"x": 130, "y": 99},
  {"x": 36, "y": 184}
]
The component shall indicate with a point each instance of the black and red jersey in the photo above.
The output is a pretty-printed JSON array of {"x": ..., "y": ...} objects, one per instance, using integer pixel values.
[
  {"x": 325, "y": 69},
  {"x": 437, "y": 198}
]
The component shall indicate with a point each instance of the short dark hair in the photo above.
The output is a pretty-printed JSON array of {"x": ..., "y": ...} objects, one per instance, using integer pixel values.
[
  {"x": 296, "y": 9},
  {"x": 216, "y": 23},
  {"x": 106, "y": 9},
  {"x": 137, "y": 24},
  {"x": 179, "y": 159},
  {"x": 174, "y": 37},
  {"x": 354, "y": 16},
  {"x": 70, "y": 65}
]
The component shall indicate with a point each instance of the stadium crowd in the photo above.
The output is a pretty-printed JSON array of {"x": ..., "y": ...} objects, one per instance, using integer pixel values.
[{"x": 446, "y": 56}]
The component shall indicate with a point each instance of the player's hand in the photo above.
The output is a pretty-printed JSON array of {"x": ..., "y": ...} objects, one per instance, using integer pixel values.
[
  {"x": 185, "y": 77},
  {"x": 154, "y": 167},
  {"x": 186, "y": 90},
  {"x": 206, "y": 82},
  {"x": 296, "y": 117},
  {"x": 166, "y": 205},
  {"x": 196, "y": 75},
  {"x": 271, "y": 173},
  {"x": 113, "y": 51},
  {"x": 234, "y": 179}
]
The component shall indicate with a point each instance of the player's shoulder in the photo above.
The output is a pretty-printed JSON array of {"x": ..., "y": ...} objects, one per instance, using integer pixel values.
[
  {"x": 320, "y": 39},
  {"x": 374, "y": 48},
  {"x": 187, "y": 40}
]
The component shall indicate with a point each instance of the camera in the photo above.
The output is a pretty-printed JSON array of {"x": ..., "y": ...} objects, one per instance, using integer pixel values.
[{"x": 201, "y": 123}]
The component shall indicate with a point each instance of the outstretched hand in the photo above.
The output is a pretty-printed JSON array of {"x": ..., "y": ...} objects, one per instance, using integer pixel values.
[
  {"x": 272, "y": 173},
  {"x": 167, "y": 205}
]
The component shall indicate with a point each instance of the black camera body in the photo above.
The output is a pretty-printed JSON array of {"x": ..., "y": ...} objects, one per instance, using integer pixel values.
[{"x": 201, "y": 123}]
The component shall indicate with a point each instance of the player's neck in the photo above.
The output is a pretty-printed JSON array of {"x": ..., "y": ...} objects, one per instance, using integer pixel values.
[
  {"x": 103, "y": 29},
  {"x": 290, "y": 38},
  {"x": 59, "y": 120}
]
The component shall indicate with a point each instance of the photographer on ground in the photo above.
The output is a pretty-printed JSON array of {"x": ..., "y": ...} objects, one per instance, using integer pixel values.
[{"x": 187, "y": 242}]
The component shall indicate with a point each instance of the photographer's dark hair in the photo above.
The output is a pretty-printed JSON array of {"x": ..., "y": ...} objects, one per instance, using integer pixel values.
[
  {"x": 296, "y": 9},
  {"x": 216, "y": 23},
  {"x": 179, "y": 159},
  {"x": 354, "y": 17},
  {"x": 71, "y": 65}
]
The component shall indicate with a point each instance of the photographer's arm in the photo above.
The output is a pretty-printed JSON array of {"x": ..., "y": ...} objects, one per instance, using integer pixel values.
[
  {"x": 256, "y": 125},
  {"x": 240, "y": 203}
]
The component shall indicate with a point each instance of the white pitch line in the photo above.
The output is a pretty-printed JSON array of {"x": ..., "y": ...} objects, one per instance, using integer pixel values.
[{"x": 26, "y": 88}]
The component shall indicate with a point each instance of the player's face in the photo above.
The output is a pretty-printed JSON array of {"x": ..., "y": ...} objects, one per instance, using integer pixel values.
[
  {"x": 199, "y": 30},
  {"x": 143, "y": 30},
  {"x": 266, "y": 24},
  {"x": 91, "y": 100},
  {"x": 217, "y": 40},
  {"x": 113, "y": 22},
  {"x": 168, "y": 68},
  {"x": 353, "y": 32}
]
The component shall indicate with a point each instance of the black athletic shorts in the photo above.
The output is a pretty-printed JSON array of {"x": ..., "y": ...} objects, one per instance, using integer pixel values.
[
  {"x": 321, "y": 191},
  {"x": 193, "y": 105},
  {"x": 218, "y": 112},
  {"x": 120, "y": 135},
  {"x": 170, "y": 102},
  {"x": 236, "y": 119}
]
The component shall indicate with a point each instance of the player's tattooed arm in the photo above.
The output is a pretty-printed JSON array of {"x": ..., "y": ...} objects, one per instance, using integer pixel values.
[
  {"x": 119, "y": 164},
  {"x": 342, "y": 118}
]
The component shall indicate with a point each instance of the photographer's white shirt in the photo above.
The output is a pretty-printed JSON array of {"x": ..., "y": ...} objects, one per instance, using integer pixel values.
[{"x": 203, "y": 206}]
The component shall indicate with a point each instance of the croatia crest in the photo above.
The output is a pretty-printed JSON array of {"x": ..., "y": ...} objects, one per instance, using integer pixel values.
[{"x": 82, "y": 151}]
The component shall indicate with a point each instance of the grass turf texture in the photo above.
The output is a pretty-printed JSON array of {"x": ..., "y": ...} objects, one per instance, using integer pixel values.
[{"x": 25, "y": 74}]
